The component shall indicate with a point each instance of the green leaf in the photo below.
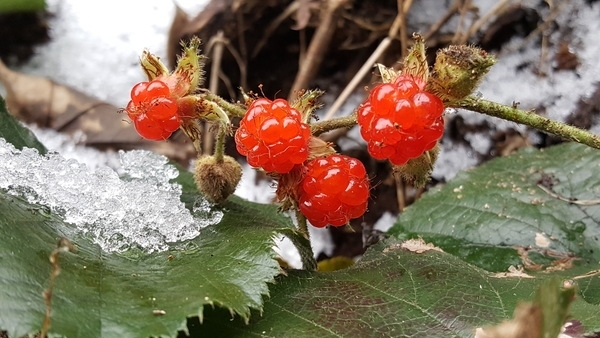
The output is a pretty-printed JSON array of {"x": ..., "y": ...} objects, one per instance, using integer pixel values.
[
  {"x": 393, "y": 292},
  {"x": 110, "y": 295},
  {"x": 13, "y": 132},
  {"x": 484, "y": 215}
]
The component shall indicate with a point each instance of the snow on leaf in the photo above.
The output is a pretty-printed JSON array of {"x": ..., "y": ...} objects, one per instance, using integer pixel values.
[{"x": 132, "y": 293}]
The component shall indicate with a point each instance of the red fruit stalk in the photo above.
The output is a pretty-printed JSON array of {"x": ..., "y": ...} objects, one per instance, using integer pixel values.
[
  {"x": 334, "y": 189},
  {"x": 400, "y": 121},
  {"x": 272, "y": 136}
]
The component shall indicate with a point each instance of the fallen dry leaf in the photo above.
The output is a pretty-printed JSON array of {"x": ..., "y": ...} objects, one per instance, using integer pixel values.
[
  {"x": 416, "y": 245},
  {"x": 527, "y": 323},
  {"x": 41, "y": 101},
  {"x": 513, "y": 272}
]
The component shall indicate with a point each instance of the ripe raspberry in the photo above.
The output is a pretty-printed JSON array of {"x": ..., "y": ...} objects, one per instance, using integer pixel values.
[
  {"x": 334, "y": 189},
  {"x": 400, "y": 121},
  {"x": 153, "y": 111},
  {"x": 272, "y": 136}
]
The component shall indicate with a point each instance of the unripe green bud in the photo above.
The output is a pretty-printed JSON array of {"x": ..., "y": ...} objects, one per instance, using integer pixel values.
[
  {"x": 458, "y": 70},
  {"x": 216, "y": 180}
]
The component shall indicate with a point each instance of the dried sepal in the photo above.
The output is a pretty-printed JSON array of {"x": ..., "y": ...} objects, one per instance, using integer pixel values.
[
  {"x": 196, "y": 107},
  {"x": 387, "y": 74},
  {"x": 152, "y": 66},
  {"x": 415, "y": 63},
  {"x": 189, "y": 74},
  {"x": 307, "y": 103}
]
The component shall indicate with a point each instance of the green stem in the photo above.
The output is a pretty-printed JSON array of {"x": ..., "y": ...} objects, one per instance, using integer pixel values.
[
  {"x": 531, "y": 119},
  {"x": 231, "y": 108},
  {"x": 220, "y": 144},
  {"x": 302, "y": 224},
  {"x": 318, "y": 128}
]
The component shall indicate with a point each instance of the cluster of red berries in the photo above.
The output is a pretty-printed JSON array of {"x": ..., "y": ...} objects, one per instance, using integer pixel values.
[
  {"x": 153, "y": 110},
  {"x": 332, "y": 188},
  {"x": 400, "y": 121}
]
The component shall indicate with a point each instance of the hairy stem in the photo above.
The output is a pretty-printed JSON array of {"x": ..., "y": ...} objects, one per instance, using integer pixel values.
[
  {"x": 231, "y": 108},
  {"x": 531, "y": 119},
  {"x": 302, "y": 224},
  {"x": 336, "y": 123},
  {"x": 220, "y": 144}
]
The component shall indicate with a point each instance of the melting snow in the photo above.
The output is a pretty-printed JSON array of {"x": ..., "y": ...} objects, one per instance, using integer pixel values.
[{"x": 141, "y": 209}]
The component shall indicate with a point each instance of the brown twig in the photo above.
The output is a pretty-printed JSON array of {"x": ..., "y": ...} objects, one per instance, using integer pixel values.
[
  {"x": 217, "y": 56},
  {"x": 400, "y": 192},
  {"x": 571, "y": 200},
  {"x": 365, "y": 68},
  {"x": 289, "y": 10},
  {"x": 496, "y": 10},
  {"x": 465, "y": 7},
  {"x": 318, "y": 47},
  {"x": 403, "y": 8},
  {"x": 554, "y": 12},
  {"x": 443, "y": 20}
]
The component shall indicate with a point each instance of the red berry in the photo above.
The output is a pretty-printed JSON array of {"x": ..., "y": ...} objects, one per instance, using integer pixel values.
[
  {"x": 272, "y": 136},
  {"x": 334, "y": 189},
  {"x": 400, "y": 120},
  {"x": 150, "y": 129},
  {"x": 153, "y": 111},
  {"x": 145, "y": 91}
]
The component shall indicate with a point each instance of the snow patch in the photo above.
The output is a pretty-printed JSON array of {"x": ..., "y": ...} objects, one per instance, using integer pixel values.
[{"x": 141, "y": 209}]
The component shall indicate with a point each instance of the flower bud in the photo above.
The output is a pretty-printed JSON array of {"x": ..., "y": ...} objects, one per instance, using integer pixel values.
[
  {"x": 458, "y": 70},
  {"x": 216, "y": 180}
]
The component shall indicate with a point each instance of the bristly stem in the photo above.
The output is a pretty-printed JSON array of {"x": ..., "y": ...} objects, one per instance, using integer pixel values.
[
  {"x": 529, "y": 118},
  {"x": 220, "y": 144},
  {"x": 336, "y": 123},
  {"x": 231, "y": 108},
  {"x": 302, "y": 224}
]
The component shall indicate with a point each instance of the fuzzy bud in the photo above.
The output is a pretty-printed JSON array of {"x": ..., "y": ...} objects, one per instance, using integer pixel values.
[
  {"x": 418, "y": 170},
  {"x": 458, "y": 70},
  {"x": 216, "y": 180}
]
